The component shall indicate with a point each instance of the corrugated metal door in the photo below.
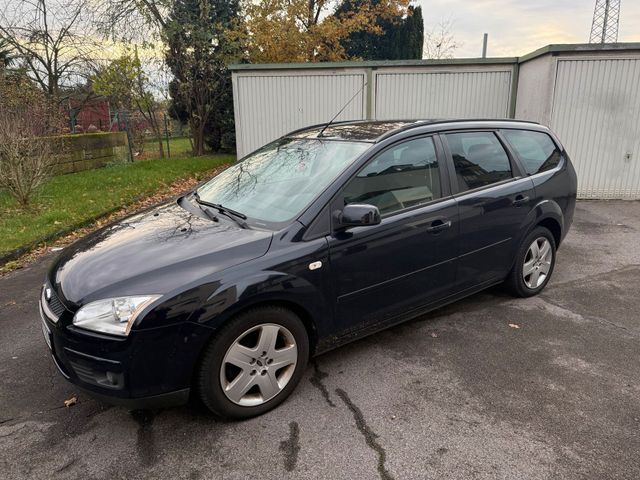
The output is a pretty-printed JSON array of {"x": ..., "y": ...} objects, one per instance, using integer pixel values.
[
  {"x": 596, "y": 114},
  {"x": 453, "y": 94},
  {"x": 267, "y": 107}
]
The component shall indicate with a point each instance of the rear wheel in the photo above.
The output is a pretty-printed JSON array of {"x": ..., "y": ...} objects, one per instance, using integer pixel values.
[
  {"x": 254, "y": 363},
  {"x": 534, "y": 264}
]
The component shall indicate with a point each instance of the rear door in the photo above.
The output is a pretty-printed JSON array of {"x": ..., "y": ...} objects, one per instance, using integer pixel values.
[
  {"x": 408, "y": 260},
  {"x": 494, "y": 200}
]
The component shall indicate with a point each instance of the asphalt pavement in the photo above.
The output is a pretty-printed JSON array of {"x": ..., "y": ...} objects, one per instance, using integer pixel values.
[{"x": 491, "y": 387}]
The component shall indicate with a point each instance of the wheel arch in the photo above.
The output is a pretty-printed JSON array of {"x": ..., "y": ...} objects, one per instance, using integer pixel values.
[
  {"x": 547, "y": 214},
  {"x": 553, "y": 226},
  {"x": 303, "y": 313}
]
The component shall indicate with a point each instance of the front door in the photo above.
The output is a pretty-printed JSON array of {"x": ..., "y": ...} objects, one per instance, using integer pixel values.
[
  {"x": 408, "y": 260},
  {"x": 494, "y": 201}
]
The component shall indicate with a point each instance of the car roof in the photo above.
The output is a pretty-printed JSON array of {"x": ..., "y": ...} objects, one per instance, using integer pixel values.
[{"x": 374, "y": 131}]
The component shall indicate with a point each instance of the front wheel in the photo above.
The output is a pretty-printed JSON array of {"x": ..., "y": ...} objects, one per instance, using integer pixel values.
[
  {"x": 534, "y": 264},
  {"x": 254, "y": 363}
]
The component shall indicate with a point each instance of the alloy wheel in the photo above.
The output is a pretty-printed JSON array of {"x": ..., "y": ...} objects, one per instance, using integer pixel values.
[
  {"x": 537, "y": 263},
  {"x": 259, "y": 364}
]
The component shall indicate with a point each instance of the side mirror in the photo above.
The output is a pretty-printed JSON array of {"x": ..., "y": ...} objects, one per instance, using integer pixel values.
[{"x": 356, "y": 215}]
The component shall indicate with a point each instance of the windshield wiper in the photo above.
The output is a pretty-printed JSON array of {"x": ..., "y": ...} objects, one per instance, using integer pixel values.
[
  {"x": 206, "y": 211},
  {"x": 232, "y": 214}
]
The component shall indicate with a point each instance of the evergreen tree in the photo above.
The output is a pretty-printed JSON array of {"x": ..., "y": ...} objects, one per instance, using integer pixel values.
[
  {"x": 401, "y": 39},
  {"x": 6, "y": 54},
  {"x": 198, "y": 54}
]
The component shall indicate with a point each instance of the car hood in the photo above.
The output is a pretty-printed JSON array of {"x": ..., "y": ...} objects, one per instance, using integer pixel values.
[{"x": 154, "y": 252}]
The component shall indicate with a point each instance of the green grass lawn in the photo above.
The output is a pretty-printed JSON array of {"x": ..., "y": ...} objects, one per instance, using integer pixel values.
[
  {"x": 180, "y": 147},
  {"x": 69, "y": 200}
]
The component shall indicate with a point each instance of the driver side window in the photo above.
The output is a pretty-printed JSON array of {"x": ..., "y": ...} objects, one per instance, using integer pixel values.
[{"x": 400, "y": 177}]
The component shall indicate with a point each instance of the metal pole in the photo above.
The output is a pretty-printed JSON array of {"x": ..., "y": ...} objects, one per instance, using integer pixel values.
[
  {"x": 166, "y": 134},
  {"x": 129, "y": 136},
  {"x": 485, "y": 39}
]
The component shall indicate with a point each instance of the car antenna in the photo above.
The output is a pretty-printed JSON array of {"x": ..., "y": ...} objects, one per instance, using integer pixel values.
[{"x": 342, "y": 109}]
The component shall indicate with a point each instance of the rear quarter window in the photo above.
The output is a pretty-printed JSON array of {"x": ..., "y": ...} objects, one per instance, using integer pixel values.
[
  {"x": 479, "y": 159},
  {"x": 536, "y": 150}
]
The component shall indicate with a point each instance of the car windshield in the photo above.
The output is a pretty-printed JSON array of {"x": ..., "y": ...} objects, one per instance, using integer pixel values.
[{"x": 275, "y": 183}]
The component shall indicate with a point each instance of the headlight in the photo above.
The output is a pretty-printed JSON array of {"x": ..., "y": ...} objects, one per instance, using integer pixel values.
[{"x": 112, "y": 315}]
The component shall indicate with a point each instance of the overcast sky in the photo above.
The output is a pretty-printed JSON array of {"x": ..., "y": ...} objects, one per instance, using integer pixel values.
[{"x": 517, "y": 27}]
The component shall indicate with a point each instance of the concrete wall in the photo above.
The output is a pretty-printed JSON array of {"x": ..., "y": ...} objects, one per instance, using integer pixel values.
[
  {"x": 90, "y": 150},
  {"x": 535, "y": 90}
]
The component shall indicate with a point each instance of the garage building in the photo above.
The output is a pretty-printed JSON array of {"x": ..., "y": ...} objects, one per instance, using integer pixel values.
[{"x": 588, "y": 94}]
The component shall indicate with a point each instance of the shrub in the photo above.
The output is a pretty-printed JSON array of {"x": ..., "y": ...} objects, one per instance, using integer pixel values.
[{"x": 27, "y": 117}]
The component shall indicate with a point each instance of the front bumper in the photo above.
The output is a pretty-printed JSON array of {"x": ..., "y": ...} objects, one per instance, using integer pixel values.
[{"x": 149, "y": 368}]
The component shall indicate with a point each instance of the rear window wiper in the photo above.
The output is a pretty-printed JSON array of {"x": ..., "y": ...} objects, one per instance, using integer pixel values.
[{"x": 237, "y": 217}]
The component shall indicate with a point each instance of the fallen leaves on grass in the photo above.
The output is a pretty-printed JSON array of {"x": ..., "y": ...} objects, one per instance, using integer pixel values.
[
  {"x": 164, "y": 193},
  {"x": 71, "y": 401}
]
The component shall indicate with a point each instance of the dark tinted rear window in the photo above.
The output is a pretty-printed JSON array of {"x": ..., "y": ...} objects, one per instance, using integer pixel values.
[
  {"x": 479, "y": 159},
  {"x": 536, "y": 150}
]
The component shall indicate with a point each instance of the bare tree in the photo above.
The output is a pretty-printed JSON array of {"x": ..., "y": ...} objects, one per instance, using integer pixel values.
[
  {"x": 132, "y": 20},
  {"x": 128, "y": 87},
  {"x": 27, "y": 152},
  {"x": 52, "y": 39},
  {"x": 439, "y": 42}
]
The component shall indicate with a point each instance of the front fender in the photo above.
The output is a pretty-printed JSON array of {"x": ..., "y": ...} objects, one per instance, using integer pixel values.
[{"x": 236, "y": 294}]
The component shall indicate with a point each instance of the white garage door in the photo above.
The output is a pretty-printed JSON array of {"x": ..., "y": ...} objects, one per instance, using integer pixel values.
[
  {"x": 455, "y": 94},
  {"x": 269, "y": 106},
  {"x": 596, "y": 114}
]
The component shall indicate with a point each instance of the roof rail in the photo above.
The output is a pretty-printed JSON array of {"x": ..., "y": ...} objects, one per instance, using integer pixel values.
[{"x": 420, "y": 123}]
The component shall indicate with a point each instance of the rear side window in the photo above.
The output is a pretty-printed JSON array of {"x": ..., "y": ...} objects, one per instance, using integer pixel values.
[
  {"x": 401, "y": 177},
  {"x": 479, "y": 159},
  {"x": 536, "y": 150}
]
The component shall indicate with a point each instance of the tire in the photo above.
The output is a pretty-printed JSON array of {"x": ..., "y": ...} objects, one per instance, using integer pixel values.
[
  {"x": 253, "y": 363},
  {"x": 538, "y": 270}
]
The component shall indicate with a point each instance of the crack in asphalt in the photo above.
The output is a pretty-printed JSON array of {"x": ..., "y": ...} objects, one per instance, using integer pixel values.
[
  {"x": 316, "y": 381},
  {"x": 4, "y": 435},
  {"x": 631, "y": 266},
  {"x": 66, "y": 465},
  {"x": 593, "y": 318},
  {"x": 291, "y": 447},
  {"x": 369, "y": 435}
]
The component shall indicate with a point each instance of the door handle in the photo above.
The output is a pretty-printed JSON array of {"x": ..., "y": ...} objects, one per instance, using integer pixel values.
[
  {"x": 520, "y": 200},
  {"x": 438, "y": 225}
]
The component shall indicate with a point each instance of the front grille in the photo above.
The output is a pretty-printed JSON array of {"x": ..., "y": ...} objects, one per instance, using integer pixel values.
[
  {"x": 51, "y": 308},
  {"x": 55, "y": 304}
]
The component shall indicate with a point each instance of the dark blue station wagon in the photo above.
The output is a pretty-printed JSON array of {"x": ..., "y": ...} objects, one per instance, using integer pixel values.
[{"x": 323, "y": 236}]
